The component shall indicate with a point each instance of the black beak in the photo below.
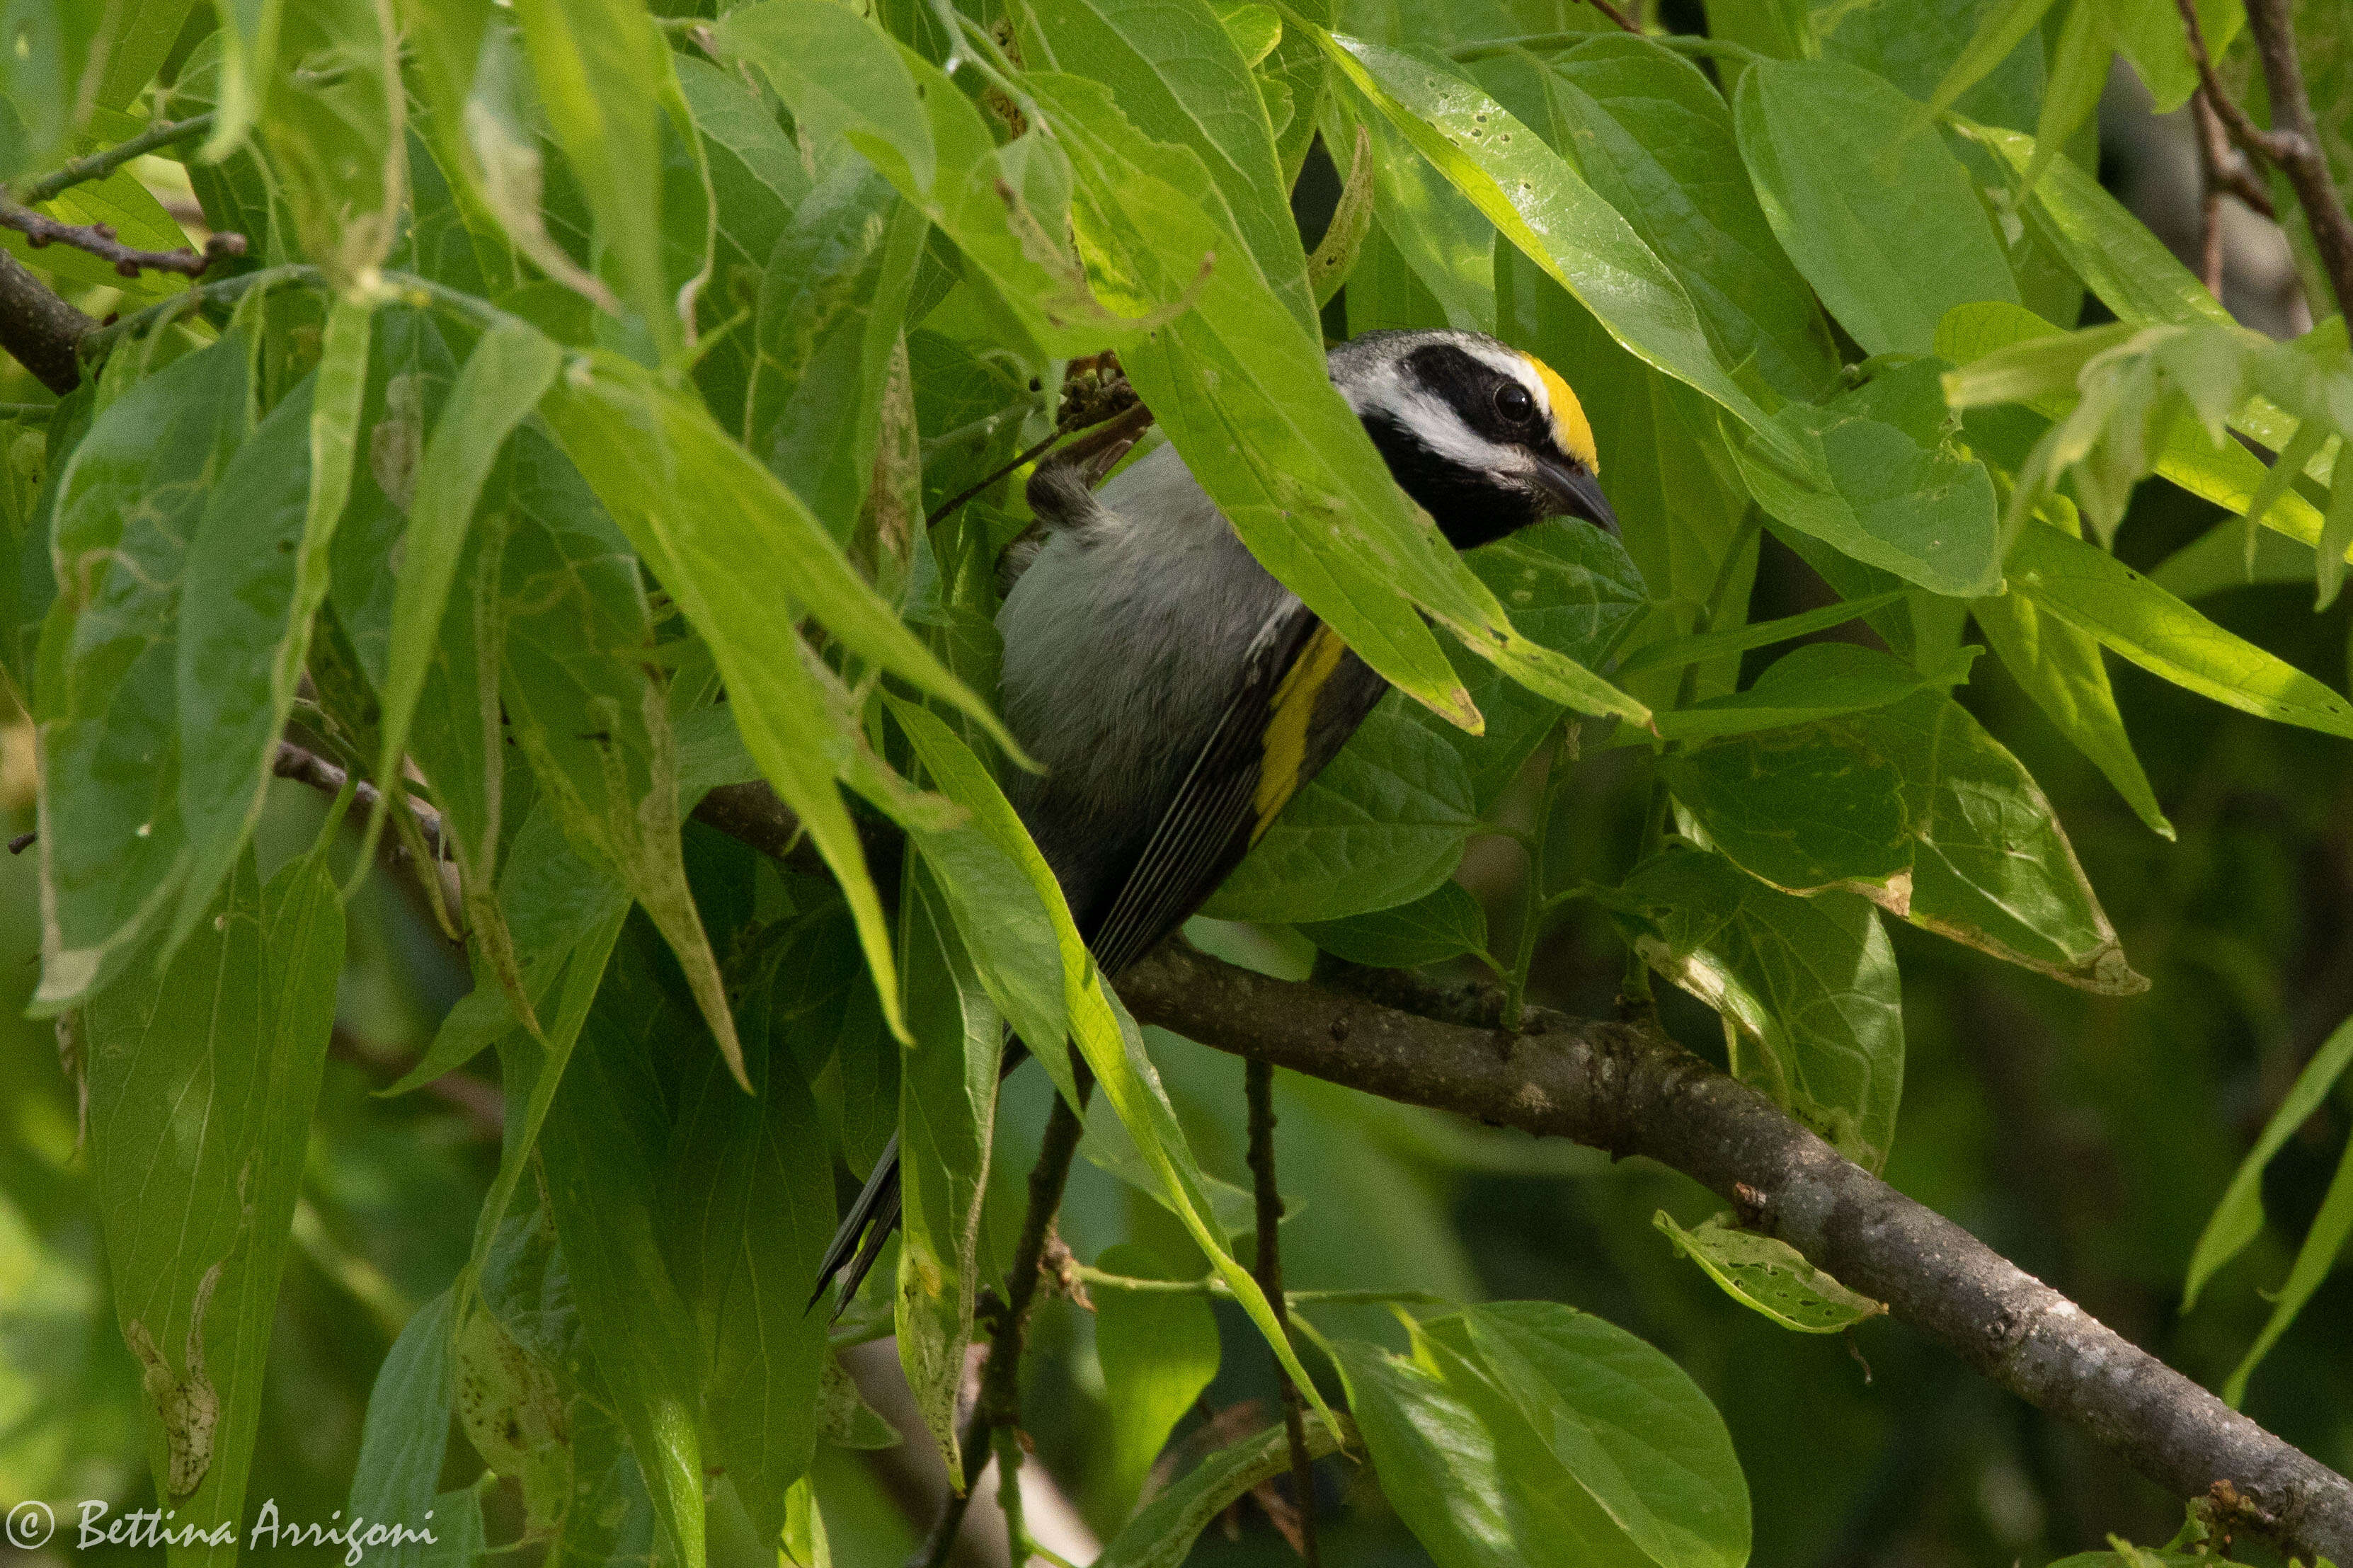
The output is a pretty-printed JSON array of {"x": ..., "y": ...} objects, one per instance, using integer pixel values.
[{"x": 1575, "y": 492}]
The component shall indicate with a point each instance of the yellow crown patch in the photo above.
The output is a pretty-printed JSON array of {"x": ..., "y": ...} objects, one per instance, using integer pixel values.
[{"x": 1568, "y": 423}]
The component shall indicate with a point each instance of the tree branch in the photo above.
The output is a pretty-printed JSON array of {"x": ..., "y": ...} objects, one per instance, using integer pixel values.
[
  {"x": 106, "y": 160},
  {"x": 98, "y": 239},
  {"x": 40, "y": 330},
  {"x": 1258, "y": 1087},
  {"x": 1628, "y": 1090},
  {"x": 2292, "y": 144}
]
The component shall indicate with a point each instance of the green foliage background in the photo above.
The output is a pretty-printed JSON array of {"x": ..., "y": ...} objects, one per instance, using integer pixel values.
[{"x": 592, "y": 362}]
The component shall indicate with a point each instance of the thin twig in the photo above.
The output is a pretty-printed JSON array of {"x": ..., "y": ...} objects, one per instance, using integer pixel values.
[
  {"x": 2292, "y": 142},
  {"x": 1258, "y": 1079},
  {"x": 1615, "y": 15},
  {"x": 98, "y": 239},
  {"x": 998, "y": 1405},
  {"x": 1098, "y": 419},
  {"x": 106, "y": 160}
]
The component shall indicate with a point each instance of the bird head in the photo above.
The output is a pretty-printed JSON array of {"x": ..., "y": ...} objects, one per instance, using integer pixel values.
[{"x": 1485, "y": 438}]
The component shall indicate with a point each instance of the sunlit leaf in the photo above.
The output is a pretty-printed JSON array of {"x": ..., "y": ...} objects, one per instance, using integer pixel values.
[
  {"x": 1769, "y": 1275},
  {"x": 1884, "y": 226}
]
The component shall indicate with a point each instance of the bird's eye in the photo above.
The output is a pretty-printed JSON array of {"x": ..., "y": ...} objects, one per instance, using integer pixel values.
[{"x": 1513, "y": 401}]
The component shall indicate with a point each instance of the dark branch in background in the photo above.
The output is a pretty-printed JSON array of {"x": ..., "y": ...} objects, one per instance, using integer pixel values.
[
  {"x": 98, "y": 239},
  {"x": 105, "y": 161},
  {"x": 1258, "y": 1083},
  {"x": 1624, "y": 22},
  {"x": 1100, "y": 399},
  {"x": 2293, "y": 145},
  {"x": 2221, "y": 172}
]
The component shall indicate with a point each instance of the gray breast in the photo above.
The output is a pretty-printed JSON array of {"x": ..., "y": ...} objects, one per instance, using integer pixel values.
[{"x": 1124, "y": 638}]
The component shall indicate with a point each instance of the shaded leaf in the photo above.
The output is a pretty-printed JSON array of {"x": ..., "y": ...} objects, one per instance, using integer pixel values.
[
  {"x": 2238, "y": 1218},
  {"x": 1444, "y": 923},
  {"x": 1810, "y": 983},
  {"x": 1383, "y": 824},
  {"x": 128, "y": 499},
  {"x": 203, "y": 1078},
  {"x": 1162, "y": 1532},
  {"x": 947, "y": 1111},
  {"x": 1157, "y": 1351}
]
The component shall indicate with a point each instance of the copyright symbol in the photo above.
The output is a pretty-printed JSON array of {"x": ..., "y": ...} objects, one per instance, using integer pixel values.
[{"x": 30, "y": 1525}]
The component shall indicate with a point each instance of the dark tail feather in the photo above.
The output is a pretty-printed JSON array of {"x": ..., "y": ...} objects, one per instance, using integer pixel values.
[
  {"x": 871, "y": 1219},
  {"x": 875, "y": 1214}
]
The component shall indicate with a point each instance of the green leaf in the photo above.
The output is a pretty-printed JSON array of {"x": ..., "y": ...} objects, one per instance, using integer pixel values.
[
  {"x": 48, "y": 76},
  {"x": 1444, "y": 923},
  {"x": 947, "y": 1111},
  {"x": 2151, "y": 36},
  {"x": 830, "y": 304},
  {"x": 722, "y": 535},
  {"x": 203, "y": 1078},
  {"x": 1819, "y": 681},
  {"x": 2079, "y": 74},
  {"x": 408, "y": 1428},
  {"x": 562, "y": 899},
  {"x": 1679, "y": 651},
  {"x": 1650, "y": 134},
  {"x": 1916, "y": 807},
  {"x": 2314, "y": 1260},
  {"x": 1113, "y": 1047},
  {"x": 1569, "y": 586},
  {"x": 1443, "y": 247},
  {"x": 1162, "y": 1532},
  {"x": 1180, "y": 77},
  {"x": 984, "y": 873},
  {"x": 2226, "y": 473},
  {"x": 2100, "y": 596},
  {"x": 257, "y": 572},
  {"x": 2061, "y": 668},
  {"x": 248, "y": 31},
  {"x": 601, "y": 1191},
  {"x": 1620, "y": 1416},
  {"x": 1351, "y": 220},
  {"x": 128, "y": 499},
  {"x": 1539, "y": 203},
  {"x": 1666, "y": 458},
  {"x": 2001, "y": 28},
  {"x": 1810, "y": 983},
  {"x": 602, "y": 71},
  {"x": 1383, "y": 824},
  {"x": 585, "y": 708},
  {"x": 1886, "y": 228},
  {"x": 2238, "y": 1219},
  {"x": 752, "y": 1177},
  {"x": 1899, "y": 499},
  {"x": 1158, "y": 1352},
  {"x": 1769, "y": 1275},
  {"x": 504, "y": 378},
  {"x": 334, "y": 133},
  {"x": 1528, "y": 1430}
]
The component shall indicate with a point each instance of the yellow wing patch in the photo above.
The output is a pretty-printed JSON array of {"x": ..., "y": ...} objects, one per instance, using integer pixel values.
[
  {"x": 1568, "y": 423},
  {"x": 1286, "y": 728}
]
